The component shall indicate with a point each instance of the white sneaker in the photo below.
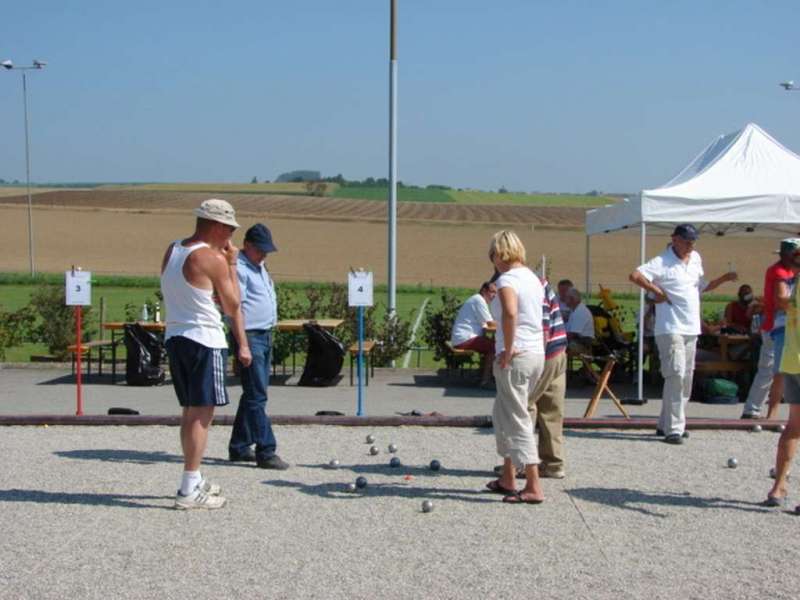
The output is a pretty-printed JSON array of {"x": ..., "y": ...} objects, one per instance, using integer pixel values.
[
  {"x": 199, "y": 499},
  {"x": 212, "y": 489}
]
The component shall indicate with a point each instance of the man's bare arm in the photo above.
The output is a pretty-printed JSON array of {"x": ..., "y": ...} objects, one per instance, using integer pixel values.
[
  {"x": 644, "y": 283},
  {"x": 782, "y": 295},
  {"x": 714, "y": 284},
  {"x": 221, "y": 270}
]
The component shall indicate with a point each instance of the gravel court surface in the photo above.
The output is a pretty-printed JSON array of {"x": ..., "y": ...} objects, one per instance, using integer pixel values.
[{"x": 86, "y": 513}]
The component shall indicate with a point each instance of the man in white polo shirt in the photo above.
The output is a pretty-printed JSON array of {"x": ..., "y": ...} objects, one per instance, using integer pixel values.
[
  {"x": 468, "y": 327},
  {"x": 675, "y": 277},
  {"x": 580, "y": 327}
]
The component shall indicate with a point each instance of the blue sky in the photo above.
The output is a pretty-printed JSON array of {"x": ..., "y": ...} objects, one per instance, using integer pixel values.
[{"x": 532, "y": 95}]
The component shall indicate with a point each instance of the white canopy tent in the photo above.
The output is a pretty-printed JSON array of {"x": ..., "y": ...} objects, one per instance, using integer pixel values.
[{"x": 742, "y": 181}]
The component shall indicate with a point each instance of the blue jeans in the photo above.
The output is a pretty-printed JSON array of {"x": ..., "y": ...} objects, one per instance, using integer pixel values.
[{"x": 252, "y": 425}]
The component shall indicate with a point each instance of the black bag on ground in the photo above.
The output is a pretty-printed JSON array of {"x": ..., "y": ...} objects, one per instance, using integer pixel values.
[
  {"x": 145, "y": 351},
  {"x": 324, "y": 357}
]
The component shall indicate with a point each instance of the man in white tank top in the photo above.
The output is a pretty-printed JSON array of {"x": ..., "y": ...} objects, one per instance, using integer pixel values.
[{"x": 195, "y": 271}]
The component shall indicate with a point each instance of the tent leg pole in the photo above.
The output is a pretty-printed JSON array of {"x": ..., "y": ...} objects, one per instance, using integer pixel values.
[
  {"x": 588, "y": 253},
  {"x": 642, "y": 250}
]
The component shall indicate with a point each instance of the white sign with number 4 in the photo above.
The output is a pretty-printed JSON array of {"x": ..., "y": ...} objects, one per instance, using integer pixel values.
[{"x": 359, "y": 287}]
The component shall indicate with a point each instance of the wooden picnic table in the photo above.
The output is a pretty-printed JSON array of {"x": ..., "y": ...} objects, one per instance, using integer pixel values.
[
  {"x": 295, "y": 327},
  {"x": 115, "y": 327}
]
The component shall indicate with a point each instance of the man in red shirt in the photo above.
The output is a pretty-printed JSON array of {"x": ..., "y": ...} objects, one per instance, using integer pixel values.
[{"x": 777, "y": 291}]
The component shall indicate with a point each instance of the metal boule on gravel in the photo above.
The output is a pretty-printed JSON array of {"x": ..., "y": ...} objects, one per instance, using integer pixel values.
[
  {"x": 350, "y": 487},
  {"x": 361, "y": 482},
  {"x": 756, "y": 429},
  {"x": 334, "y": 464},
  {"x": 373, "y": 450},
  {"x": 370, "y": 439},
  {"x": 435, "y": 465},
  {"x": 781, "y": 428},
  {"x": 392, "y": 448},
  {"x": 427, "y": 506},
  {"x": 732, "y": 463},
  {"x": 395, "y": 462}
]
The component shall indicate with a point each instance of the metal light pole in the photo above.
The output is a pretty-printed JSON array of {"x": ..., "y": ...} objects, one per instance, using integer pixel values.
[
  {"x": 37, "y": 65},
  {"x": 393, "y": 161}
]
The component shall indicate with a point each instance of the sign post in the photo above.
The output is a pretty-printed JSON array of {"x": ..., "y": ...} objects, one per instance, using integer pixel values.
[
  {"x": 359, "y": 287},
  {"x": 78, "y": 293}
]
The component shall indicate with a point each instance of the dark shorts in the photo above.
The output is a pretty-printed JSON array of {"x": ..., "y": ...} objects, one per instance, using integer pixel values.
[{"x": 198, "y": 372}]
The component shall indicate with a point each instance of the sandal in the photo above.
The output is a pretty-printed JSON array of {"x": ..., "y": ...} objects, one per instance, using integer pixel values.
[
  {"x": 517, "y": 498},
  {"x": 776, "y": 501},
  {"x": 497, "y": 488}
]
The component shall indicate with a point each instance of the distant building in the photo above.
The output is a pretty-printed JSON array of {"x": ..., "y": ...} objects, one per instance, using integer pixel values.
[{"x": 298, "y": 176}]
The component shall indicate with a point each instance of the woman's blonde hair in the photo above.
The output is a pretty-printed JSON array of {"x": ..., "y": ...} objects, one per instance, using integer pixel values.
[{"x": 507, "y": 246}]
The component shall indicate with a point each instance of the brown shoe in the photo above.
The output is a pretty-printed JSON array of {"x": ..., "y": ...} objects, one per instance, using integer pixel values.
[{"x": 557, "y": 473}]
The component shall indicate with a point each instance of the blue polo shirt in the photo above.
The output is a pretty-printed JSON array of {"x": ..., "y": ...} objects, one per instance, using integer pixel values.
[{"x": 259, "y": 303}]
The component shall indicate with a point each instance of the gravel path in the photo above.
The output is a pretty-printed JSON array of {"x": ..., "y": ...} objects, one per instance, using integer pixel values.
[{"x": 86, "y": 513}]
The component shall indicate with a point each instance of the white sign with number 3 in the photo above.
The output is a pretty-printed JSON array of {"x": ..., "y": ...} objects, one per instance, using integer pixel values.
[
  {"x": 359, "y": 287},
  {"x": 79, "y": 288}
]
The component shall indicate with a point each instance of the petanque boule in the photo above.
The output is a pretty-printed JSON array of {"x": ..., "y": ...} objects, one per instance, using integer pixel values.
[
  {"x": 427, "y": 506},
  {"x": 392, "y": 448},
  {"x": 732, "y": 463},
  {"x": 333, "y": 464},
  {"x": 435, "y": 465},
  {"x": 395, "y": 462},
  {"x": 756, "y": 428},
  {"x": 373, "y": 450},
  {"x": 781, "y": 428},
  {"x": 370, "y": 439},
  {"x": 361, "y": 482},
  {"x": 350, "y": 488}
]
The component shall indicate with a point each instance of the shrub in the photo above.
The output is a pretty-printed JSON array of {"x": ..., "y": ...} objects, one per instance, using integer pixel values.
[
  {"x": 438, "y": 325},
  {"x": 56, "y": 321},
  {"x": 15, "y": 328}
]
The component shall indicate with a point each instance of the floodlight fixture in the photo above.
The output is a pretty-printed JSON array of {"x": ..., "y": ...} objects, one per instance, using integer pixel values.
[
  {"x": 789, "y": 86},
  {"x": 8, "y": 64}
]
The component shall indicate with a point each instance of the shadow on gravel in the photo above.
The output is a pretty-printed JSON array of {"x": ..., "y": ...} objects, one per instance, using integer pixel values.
[
  {"x": 384, "y": 490},
  {"x": 456, "y": 386},
  {"x": 137, "y": 457},
  {"x": 589, "y": 434},
  {"x": 116, "y": 500},
  {"x": 628, "y": 499},
  {"x": 415, "y": 470}
]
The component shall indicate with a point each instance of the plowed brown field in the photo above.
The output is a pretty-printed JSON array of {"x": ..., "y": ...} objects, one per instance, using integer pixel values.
[{"x": 320, "y": 238}]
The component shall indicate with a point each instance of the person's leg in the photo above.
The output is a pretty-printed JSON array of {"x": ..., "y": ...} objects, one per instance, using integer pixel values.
[
  {"x": 242, "y": 437},
  {"x": 689, "y": 347},
  {"x": 776, "y": 390},
  {"x": 762, "y": 382},
  {"x": 787, "y": 444},
  {"x": 266, "y": 444},
  {"x": 671, "y": 357},
  {"x": 513, "y": 426},
  {"x": 195, "y": 422},
  {"x": 550, "y": 417}
]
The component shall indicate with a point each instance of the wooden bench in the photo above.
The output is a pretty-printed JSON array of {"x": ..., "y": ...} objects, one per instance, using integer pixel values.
[
  {"x": 366, "y": 349},
  {"x": 458, "y": 357},
  {"x": 87, "y": 348}
]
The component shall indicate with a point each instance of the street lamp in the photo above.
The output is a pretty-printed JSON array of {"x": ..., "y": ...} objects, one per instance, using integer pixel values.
[
  {"x": 37, "y": 65},
  {"x": 789, "y": 86}
]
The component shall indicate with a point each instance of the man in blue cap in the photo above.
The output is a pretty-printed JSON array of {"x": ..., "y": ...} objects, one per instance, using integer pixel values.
[
  {"x": 252, "y": 426},
  {"x": 676, "y": 280}
]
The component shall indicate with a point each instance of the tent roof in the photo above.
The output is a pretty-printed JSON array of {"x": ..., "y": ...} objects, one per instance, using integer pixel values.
[{"x": 745, "y": 177}]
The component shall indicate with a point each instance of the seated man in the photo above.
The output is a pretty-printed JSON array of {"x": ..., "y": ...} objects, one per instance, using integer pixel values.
[
  {"x": 739, "y": 313},
  {"x": 468, "y": 331},
  {"x": 580, "y": 327},
  {"x": 564, "y": 286}
]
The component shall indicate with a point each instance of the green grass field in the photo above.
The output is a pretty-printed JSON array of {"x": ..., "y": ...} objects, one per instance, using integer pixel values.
[
  {"x": 404, "y": 194},
  {"x": 221, "y": 188}
]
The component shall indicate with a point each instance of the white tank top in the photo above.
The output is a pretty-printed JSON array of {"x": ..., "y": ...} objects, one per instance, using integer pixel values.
[{"x": 191, "y": 312}]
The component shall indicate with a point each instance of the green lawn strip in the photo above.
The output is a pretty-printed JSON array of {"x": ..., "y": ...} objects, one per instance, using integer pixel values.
[
  {"x": 404, "y": 194},
  {"x": 477, "y": 197}
]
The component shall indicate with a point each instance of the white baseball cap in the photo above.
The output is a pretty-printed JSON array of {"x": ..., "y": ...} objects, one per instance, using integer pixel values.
[{"x": 217, "y": 210}]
